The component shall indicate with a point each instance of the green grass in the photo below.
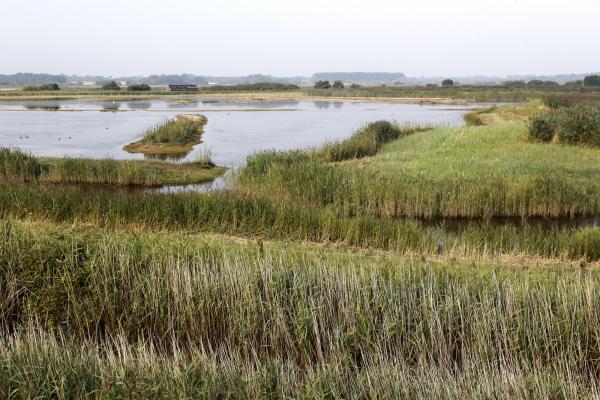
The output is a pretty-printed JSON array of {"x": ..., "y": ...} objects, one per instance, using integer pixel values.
[
  {"x": 177, "y": 135},
  {"x": 237, "y": 214},
  {"x": 484, "y": 171},
  {"x": 108, "y": 313},
  {"x": 577, "y": 124},
  {"x": 17, "y": 166}
]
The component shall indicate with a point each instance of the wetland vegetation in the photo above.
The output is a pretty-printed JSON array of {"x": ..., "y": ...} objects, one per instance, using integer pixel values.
[
  {"x": 16, "y": 166},
  {"x": 330, "y": 272},
  {"x": 174, "y": 136}
]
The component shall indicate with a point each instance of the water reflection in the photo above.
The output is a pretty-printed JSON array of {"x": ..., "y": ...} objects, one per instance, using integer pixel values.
[
  {"x": 42, "y": 107},
  {"x": 139, "y": 105},
  {"x": 111, "y": 107},
  {"x": 322, "y": 105}
]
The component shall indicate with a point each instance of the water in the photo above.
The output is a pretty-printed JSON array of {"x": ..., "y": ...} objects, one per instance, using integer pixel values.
[{"x": 235, "y": 129}]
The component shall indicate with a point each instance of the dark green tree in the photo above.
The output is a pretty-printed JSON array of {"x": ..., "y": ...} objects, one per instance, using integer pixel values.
[
  {"x": 338, "y": 84},
  {"x": 322, "y": 85},
  {"x": 111, "y": 85},
  {"x": 592, "y": 80},
  {"x": 447, "y": 82},
  {"x": 139, "y": 87}
]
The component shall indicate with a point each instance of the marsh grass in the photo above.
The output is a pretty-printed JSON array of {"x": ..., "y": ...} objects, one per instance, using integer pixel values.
[
  {"x": 177, "y": 135},
  {"x": 174, "y": 314},
  {"x": 366, "y": 141},
  {"x": 17, "y": 166},
  {"x": 234, "y": 213},
  {"x": 484, "y": 171},
  {"x": 577, "y": 124}
]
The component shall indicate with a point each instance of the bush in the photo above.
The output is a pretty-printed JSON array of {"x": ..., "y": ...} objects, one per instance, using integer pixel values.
[
  {"x": 322, "y": 85},
  {"x": 592, "y": 80},
  {"x": 578, "y": 124},
  {"x": 515, "y": 84},
  {"x": 112, "y": 85},
  {"x": 355, "y": 86},
  {"x": 48, "y": 87},
  {"x": 542, "y": 127},
  {"x": 447, "y": 83},
  {"x": 142, "y": 87},
  {"x": 568, "y": 100},
  {"x": 338, "y": 85},
  {"x": 540, "y": 83}
]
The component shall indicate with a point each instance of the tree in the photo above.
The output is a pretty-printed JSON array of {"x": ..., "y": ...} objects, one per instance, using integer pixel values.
[
  {"x": 112, "y": 85},
  {"x": 447, "y": 82},
  {"x": 139, "y": 87},
  {"x": 540, "y": 83},
  {"x": 338, "y": 84},
  {"x": 322, "y": 85},
  {"x": 592, "y": 80},
  {"x": 355, "y": 86}
]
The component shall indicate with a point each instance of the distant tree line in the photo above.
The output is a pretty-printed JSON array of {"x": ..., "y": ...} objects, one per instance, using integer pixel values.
[
  {"x": 364, "y": 77},
  {"x": 40, "y": 88},
  {"x": 253, "y": 87},
  {"x": 592, "y": 80},
  {"x": 29, "y": 79}
]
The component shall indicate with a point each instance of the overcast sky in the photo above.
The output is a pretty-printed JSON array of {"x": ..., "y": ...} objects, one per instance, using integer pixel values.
[{"x": 285, "y": 37}]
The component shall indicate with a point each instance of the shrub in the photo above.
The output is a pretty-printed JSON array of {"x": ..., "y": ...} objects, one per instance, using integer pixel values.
[
  {"x": 47, "y": 87},
  {"x": 567, "y": 100},
  {"x": 142, "y": 87},
  {"x": 447, "y": 83},
  {"x": 578, "y": 124},
  {"x": 112, "y": 85},
  {"x": 514, "y": 84},
  {"x": 540, "y": 83},
  {"x": 322, "y": 85},
  {"x": 542, "y": 127},
  {"x": 355, "y": 86},
  {"x": 338, "y": 85},
  {"x": 592, "y": 80}
]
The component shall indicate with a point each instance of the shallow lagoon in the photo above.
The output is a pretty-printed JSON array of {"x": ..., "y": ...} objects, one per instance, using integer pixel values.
[{"x": 235, "y": 129}]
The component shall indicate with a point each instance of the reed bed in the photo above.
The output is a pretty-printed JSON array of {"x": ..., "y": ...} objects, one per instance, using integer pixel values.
[
  {"x": 234, "y": 213},
  {"x": 177, "y": 135},
  {"x": 17, "y": 166},
  {"x": 577, "y": 124},
  {"x": 104, "y": 313},
  {"x": 484, "y": 171}
]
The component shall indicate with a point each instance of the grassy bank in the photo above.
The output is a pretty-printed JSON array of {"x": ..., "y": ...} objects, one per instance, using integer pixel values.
[
  {"x": 16, "y": 166},
  {"x": 482, "y": 171},
  {"x": 237, "y": 214},
  {"x": 160, "y": 314},
  {"x": 175, "y": 136}
]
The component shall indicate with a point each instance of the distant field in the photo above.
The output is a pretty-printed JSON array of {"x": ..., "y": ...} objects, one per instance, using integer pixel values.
[{"x": 468, "y": 93}]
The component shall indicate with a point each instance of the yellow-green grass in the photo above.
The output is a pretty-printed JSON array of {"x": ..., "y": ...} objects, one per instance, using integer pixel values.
[
  {"x": 128, "y": 172},
  {"x": 17, "y": 166},
  {"x": 483, "y": 171},
  {"x": 89, "y": 312},
  {"x": 175, "y": 136},
  {"x": 495, "y": 115}
]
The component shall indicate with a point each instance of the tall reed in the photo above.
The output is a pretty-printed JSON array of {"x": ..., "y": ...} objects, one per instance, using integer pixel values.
[{"x": 276, "y": 320}]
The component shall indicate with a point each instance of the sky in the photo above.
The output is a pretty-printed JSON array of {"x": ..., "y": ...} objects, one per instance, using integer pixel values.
[{"x": 290, "y": 38}]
